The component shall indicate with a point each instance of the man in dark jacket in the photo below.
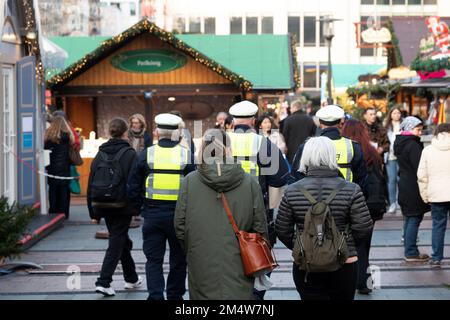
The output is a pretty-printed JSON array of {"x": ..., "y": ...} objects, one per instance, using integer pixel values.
[
  {"x": 377, "y": 133},
  {"x": 408, "y": 150},
  {"x": 330, "y": 121},
  {"x": 297, "y": 128},
  {"x": 117, "y": 217},
  {"x": 153, "y": 187}
]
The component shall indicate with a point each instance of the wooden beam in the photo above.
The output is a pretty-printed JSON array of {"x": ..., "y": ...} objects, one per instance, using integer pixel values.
[{"x": 96, "y": 91}]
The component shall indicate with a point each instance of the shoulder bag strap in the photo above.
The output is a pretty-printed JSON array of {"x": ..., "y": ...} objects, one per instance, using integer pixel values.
[
  {"x": 121, "y": 153},
  {"x": 335, "y": 192},
  {"x": 229, "y": 214},
  {"x": 307, "y": 195}
]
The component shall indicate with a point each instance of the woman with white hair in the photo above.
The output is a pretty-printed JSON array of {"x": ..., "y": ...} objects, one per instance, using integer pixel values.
[{"x": 348, "y": 209}]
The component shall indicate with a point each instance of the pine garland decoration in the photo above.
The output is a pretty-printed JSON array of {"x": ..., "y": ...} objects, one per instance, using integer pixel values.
[
  {"x": 395, "y": 58},
  {"x": 112, "y": 44}
]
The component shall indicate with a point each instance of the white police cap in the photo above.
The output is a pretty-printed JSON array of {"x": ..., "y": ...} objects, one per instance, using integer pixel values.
[
  {"x": 244, "y": 109},
  {"x": 167, "y": 121},
  {"x": 331, "y": 113}
]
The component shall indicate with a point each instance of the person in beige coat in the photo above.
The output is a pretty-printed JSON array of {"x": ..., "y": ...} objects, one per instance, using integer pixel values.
[{"x": 433, "y": 177}]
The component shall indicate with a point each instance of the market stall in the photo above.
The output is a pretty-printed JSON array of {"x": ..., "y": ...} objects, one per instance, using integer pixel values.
[{"x": 149, "y": 71}]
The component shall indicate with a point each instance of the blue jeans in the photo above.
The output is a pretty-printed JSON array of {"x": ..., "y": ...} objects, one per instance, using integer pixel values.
[
  {"x": 157, "y": 230},
  {"x": 392, "y": 173},
  {"x": 439, "y": 213},
  {"x": 412, "y": 224}
]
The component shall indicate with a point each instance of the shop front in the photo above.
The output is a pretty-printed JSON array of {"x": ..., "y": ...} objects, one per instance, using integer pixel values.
[{"x": 20, "y": 125}]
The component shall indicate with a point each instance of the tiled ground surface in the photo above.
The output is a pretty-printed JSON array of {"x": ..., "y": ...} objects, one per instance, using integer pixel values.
[{"x": 74, "y": 244}]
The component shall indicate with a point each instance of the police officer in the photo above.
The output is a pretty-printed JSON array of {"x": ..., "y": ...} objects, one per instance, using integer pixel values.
[
  {"x": 349, "y": 153},
  {"x": 258, "y": 157},
  {"x": 153, "y": 186}
]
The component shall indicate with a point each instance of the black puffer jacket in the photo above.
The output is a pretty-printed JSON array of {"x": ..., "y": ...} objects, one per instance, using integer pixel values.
[
  {"x": 348, "y": 207},
  {"x": 408, "y": 150},
  {"x": 59, "y": 159},
  {"x": 112, "y": 147}
]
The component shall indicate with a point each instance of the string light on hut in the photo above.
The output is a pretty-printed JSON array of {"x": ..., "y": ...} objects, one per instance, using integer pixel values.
[{"x": 144, "y": 25}]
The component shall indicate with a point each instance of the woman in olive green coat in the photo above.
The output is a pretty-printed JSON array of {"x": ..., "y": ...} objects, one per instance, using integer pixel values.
[{"x": 215, "y": 270}]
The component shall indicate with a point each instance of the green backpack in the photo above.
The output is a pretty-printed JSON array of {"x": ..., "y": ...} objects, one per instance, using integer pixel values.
[{"x": 320, "y": 247}]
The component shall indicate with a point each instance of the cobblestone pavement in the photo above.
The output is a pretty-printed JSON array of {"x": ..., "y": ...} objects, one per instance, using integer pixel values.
[{"x": 74, "y": 246}]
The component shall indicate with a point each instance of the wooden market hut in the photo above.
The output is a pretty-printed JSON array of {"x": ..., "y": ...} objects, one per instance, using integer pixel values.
[
  {"x": 104, "y": 83},
  {"x": 149, "y": 71}
]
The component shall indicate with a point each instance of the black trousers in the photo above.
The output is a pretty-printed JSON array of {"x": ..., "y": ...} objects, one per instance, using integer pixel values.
[
  {"x": 337, "y": 285},
  {"x": 157, "y": 231},
  {"x": 363, "y": 250},
  {"x": 119, "y": 249},
  {"x": 59, "y": 197}
]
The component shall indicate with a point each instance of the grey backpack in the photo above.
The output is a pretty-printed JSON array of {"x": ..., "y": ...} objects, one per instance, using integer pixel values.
[{"x": 320, "y": 247}]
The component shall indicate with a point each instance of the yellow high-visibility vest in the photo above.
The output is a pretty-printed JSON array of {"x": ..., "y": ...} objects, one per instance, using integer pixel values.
[
  {"x": 167, "y": 164},
  {"x": 244, "y": 148},
  {"x": 344, "y": 157}
]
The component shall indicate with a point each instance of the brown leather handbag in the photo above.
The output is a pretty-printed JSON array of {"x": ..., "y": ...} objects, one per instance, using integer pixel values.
[
  {"x": 74, "y": 156},
  {"x": 257, "y": 255}
]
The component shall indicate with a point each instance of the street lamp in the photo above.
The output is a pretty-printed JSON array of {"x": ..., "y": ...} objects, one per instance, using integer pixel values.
[{"x": 328, "y": 33}]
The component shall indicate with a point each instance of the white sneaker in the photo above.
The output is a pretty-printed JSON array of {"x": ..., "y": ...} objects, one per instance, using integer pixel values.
[
  {"x": 107, "y": 292},
  {"x": 137, "y": 284},
  {"x": 392, "y": 208}
]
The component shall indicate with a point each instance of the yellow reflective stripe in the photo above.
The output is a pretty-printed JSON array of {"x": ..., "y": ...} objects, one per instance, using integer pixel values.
[
  {"x": 344, "y": 157},
  {"x": 246, "y": 145},
  {"x": 165, "y": 186}
]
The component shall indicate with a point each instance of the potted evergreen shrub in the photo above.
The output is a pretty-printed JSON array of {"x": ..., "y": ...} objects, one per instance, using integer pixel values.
[{"x": 14, "y": 220}]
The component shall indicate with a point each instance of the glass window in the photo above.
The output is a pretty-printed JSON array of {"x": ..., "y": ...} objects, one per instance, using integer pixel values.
[
  {"x": 132, "y": 8},
  {"x": 383, "y": 2},
  {"x": 398, "y": 2},
  {"x": 294, "y": 28},
  {"x": 210, "y": 25},
  {"x": 115, "y": 4},
  {"x": 414, "y": 2},
  {"x": 309, "y": 31},
  {"x": 179, "y": 25},
  {"x": 194, "y": 25},
  {"x": 236, "y": 25},
  {"x": 251, "y": 25},
  {"x": 322, "y": 37},
  {"x": 430, "y": 2},
  {"x": 267, "y": 25},
  {"x": 367, "y": 1},
  {"x": 366, "y": 52},
  {"x": 309, "y": 76}
]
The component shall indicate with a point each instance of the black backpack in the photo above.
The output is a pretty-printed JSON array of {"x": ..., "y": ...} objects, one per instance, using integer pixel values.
[
  {"x": 108, "y": 188},
  {"x": 320, "y": 247}
]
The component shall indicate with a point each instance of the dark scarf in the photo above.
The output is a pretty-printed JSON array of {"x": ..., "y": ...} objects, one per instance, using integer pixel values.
[{"x": 137, "y": 140}]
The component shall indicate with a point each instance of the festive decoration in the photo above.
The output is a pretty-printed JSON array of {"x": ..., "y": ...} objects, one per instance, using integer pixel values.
[
  {"x": 430, "y": 65},
  {"x": 112, "y": 44},
  {"x": 394, "y": 54},
  {"x": 401, "y": 73},
  {"x": 439, "y": 29},
  {"x": 378, "y": 89},
  {"x": 372, "y": 35},
  {"x": 297, "y": 81},
  {"x": 32, "y": 42},
  {"x": 374, "y": 95}
]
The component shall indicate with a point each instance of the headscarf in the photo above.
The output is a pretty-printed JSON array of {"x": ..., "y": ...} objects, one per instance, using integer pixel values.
[{"x": 409, "y": 123}]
